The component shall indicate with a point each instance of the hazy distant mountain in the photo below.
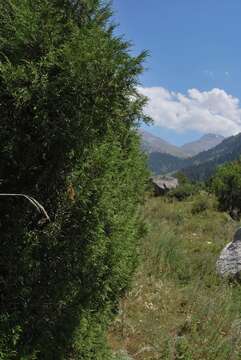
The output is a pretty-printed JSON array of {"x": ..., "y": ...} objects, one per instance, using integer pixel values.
[
  {"x": 167, "y": 158},
  {"x": 154, "y": 144},
  {"x": 205, "y": 143},
  {"x": 201, "y": 166}
]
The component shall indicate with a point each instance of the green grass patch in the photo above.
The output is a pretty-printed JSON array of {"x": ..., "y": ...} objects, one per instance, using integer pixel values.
[{"x": 178, "y": 307}]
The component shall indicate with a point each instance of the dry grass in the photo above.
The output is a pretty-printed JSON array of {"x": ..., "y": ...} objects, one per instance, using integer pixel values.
[{"x": 178, "y": 307}]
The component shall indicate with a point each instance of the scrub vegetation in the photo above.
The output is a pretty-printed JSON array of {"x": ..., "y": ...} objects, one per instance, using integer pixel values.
[
  {"x": 69, "y": 114},
  {"x": 178, "y": 307}
]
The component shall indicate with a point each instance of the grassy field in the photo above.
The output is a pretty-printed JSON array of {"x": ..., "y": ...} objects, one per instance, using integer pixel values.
[{"x": 178, "y": 307}]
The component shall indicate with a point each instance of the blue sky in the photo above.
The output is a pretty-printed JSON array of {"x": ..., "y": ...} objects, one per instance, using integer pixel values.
[{"x": 192, "y": 45}]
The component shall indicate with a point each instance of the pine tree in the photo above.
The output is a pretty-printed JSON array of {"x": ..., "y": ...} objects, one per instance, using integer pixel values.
[{"x": 69, "y": 111}]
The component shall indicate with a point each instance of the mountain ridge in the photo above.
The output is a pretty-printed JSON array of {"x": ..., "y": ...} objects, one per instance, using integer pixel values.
[
  {"x": 155, "y": 144},
  {"x": 206, "y": 142},
  {"x": 152, "y": 143},
  {"x": 201, "y": 166}
]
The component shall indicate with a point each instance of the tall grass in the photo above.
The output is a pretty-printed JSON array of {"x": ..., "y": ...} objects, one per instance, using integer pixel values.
[{"x": 178, "y": 307}]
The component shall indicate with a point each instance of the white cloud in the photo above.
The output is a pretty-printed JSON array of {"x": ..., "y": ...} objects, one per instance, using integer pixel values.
[{"x": 212, "y": 111}]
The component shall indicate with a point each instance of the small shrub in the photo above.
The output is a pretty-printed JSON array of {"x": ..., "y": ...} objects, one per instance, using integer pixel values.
[
  {"x": 182, "y": 178},
  {"x": 226, "y": 184},
  {"x": 182, "y": 192},
  {"x": 201, "y": 204}
]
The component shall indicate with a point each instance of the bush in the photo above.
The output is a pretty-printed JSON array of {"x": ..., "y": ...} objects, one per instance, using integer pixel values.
[
  {"x": 182, "y": 178},
  {"x": 69, "y": 112},
  {"x": 182, "y": 192},
  {"x": 226, "y": 184},
  {"x": 201, "y": 204}
]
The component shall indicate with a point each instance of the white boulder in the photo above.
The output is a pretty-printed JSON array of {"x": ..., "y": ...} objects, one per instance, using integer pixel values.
[{"x": 229, "y": 262}]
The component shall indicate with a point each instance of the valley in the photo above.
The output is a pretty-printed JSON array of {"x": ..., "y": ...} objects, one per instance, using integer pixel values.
[{"x": 201, "y": 166}]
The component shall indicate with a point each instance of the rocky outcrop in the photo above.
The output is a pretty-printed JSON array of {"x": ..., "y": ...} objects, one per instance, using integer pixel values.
[
  {"x": 229, "y": 262},
  {"x": 162, "y": 184}
]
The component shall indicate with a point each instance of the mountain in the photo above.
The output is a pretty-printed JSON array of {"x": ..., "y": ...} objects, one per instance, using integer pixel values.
[
  {"x": 199, "y": 167},
  {"x": 154, "y": 144},
  {"x": 203, "y": 165},
  {"x": 166, "y": 158},
  {"x": 165, "y": 163},
  {"x": 205, "y": 143}
]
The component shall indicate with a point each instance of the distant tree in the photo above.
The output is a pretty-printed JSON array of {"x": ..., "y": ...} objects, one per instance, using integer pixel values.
[
  {"x": 182, "y": 178},
  {"x": 182, "y": 192},
  {"x": 69, "y": 112},
  {"x": 227, "y": 186}
]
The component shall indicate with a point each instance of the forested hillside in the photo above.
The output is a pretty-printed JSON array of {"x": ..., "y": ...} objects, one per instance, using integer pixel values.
[
  {"x": 204, "y": 164},
  {"x": 201, "y": 166},
  {"x": 165, "y": 163},
  {"x": 69, "y": 113}
]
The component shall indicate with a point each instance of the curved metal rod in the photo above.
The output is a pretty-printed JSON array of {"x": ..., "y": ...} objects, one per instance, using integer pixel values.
[{"x": 33, "y": 201}]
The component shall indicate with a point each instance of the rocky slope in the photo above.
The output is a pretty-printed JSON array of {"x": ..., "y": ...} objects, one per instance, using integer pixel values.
[
  {"x": 205, "y": 143},
  {"x": 152, "y": 143}
]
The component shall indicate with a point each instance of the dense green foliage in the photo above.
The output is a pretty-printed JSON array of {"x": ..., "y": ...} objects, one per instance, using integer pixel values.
[
  {"x": 202, "y": 203},
  {"x": 69, "y": 110},
  {"x": 182, "y": 179},
  {"x": 227, "y": 186},
  {"x": 185, "y": 188},
  {"x": 182, "y": 192}
]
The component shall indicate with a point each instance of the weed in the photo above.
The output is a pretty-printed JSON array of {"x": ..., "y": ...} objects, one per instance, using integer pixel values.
[{"x": 178, "y": 307}]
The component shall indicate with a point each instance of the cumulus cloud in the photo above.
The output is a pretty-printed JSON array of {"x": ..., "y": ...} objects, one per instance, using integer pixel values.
[{"x": 212, "y": 111}]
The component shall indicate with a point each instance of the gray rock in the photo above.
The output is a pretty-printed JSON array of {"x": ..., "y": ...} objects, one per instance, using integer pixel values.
[
  {"x": 162, "y": 184},
  {"x": 229, "y": 262},
  {"x": 122, "y": 355}
]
